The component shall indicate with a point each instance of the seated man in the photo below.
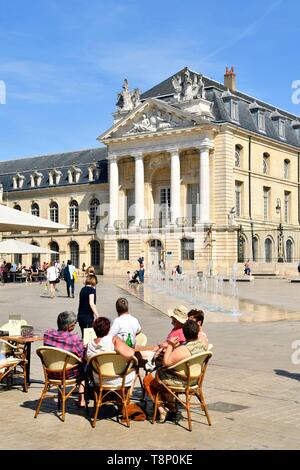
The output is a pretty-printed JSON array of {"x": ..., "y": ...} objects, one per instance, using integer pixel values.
[
  {"x": 198, "y": 316},
  {"x": 64, "y": 338},
  {"x": 125, "y": 325}
]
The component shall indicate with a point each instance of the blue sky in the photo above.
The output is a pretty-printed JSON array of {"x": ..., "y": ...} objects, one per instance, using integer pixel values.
[{"x": 63, "y": 61}]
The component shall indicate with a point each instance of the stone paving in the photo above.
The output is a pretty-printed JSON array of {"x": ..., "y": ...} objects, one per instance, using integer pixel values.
[{"x": 251, "y": 386}]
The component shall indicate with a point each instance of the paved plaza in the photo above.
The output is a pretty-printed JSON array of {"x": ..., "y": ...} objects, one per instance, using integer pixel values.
[{"x": 252, "y": 387}]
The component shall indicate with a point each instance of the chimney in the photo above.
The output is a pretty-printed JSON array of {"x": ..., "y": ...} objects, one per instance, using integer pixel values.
[{"x": 229, "y": 79}]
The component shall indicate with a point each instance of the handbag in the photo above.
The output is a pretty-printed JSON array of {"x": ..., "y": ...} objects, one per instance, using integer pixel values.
[{"x": 57, "y": 281}]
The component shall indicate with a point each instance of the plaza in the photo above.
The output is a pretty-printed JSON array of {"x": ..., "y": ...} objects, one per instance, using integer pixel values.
[{"x": 251, "y": 385}]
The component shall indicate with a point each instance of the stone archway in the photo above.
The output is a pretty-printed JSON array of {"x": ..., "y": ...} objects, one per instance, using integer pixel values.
[{"x": 155, "y": 253}]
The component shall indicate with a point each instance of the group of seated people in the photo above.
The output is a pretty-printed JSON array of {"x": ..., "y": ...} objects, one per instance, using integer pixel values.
[
  {"x": 9, "y": 271},
  {"x": 185, "y": 339}
]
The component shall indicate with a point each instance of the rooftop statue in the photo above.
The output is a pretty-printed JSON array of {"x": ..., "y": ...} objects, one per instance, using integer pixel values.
[
  {"x": 186, "y": 88},
  {"x": 127, "y": 100}
]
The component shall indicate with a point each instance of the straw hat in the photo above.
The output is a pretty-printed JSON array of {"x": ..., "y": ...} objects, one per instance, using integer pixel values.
[{"x": 180, "y": 313}]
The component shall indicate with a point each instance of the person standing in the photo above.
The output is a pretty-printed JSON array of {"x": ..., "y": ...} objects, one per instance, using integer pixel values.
[
  {"x": 87, "y": 310},
  {"x": 141, "y": 273},
  {"x": 62, "y": 268},
  {"x": 69, "y": 277},
  {"x": 52, "y": 276}
]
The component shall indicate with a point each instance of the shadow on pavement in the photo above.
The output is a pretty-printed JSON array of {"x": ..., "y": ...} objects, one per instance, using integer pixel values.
[{"x": 285, "y": 373}]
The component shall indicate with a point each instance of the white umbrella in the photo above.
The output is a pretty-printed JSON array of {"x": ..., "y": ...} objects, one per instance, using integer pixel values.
[
  {"x": 12, "y": 219},
  {"x": 11, "y": 247}
]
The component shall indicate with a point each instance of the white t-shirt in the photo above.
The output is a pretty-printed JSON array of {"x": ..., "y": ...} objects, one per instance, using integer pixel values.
[
  {"x": 52, "y": 273},
  {"x": 125, "y": 324},
  {"x": 106, "y": 345}
]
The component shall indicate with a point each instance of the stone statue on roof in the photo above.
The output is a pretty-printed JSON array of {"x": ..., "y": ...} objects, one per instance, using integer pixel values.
[
  {"x": 127, "y": 100},
  {"x": 186, "y": 88}
]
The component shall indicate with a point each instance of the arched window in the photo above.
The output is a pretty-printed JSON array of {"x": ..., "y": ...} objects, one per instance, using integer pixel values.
[
  {"x": 187, "y": 249},
  {"x": 35, "y": 210},
  {"x": 95, "y": 253},
  {"x": 268, "y": 250},
  {"x": 241, "y": 248},
  {"x": 255, "y": 249},
  {"x": 17, "y": 207},
  {"x": 266, "y": 163},
  {"x": 286, "y": 169},
  {"x": 54, "y": 216},
  {"x": 74, "y": 254},
  {"x": 54, "y": 247},
  {"x": 93, "y": 212},
  {"x": 36, "y": 257},
  {"x": 73, "y": 214},
  {"x": 238, "y": 156},
  {"x": 123, "y": 250},
  {"x": 155, "y": 243},
  {"x": 289, "y": 251}
]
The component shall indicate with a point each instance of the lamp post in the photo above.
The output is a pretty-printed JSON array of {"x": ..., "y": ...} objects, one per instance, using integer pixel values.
[{"x": 280, "y": 232}]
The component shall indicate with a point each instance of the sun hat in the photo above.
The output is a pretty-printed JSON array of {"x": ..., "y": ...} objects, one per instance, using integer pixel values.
[{"x": 180, "y": 313}]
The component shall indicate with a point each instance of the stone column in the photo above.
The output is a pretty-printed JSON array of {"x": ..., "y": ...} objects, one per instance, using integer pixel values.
[
  {"x": 204, "y": 183},
  {"x": 175, "y": 185},
  {"x": 113, "y": 191},
  {"x": 139, "y": 183}
]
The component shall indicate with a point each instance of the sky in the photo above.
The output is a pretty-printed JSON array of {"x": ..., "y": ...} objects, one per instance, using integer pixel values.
[{"x": 62, "y": 62}]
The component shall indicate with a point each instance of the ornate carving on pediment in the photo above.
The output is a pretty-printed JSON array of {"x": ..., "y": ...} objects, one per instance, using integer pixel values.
[
  {"x": 186, "y": 88},
  {"x": 128, "y": 100},
  {"x": 158, "y": 161},
  {"x": 157, "y": 121}
]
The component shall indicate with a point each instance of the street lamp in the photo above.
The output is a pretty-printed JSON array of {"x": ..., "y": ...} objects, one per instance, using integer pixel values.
[{"x": 280, "y": 232}]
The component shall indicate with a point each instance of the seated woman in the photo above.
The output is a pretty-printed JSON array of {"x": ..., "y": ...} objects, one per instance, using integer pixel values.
[
  {"x": 105, "y": 343},
  {"x": 173, "y": 354}
]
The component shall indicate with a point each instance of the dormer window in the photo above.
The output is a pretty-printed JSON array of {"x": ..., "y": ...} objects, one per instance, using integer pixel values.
[
  {"x": 74, "y": 174},
  {"x": 54, "y": 177},
  {"x": 261, "y": 121},
  {"x": 234, "y": 108},
  {"x": 18, "y": 181},
  {"x": 94, "y": 172},
  {"x": 281, "y": 128},
  {"x": 36, "y": 179}
]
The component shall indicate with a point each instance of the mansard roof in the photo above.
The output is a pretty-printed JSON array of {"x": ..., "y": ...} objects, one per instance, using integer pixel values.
[
  {"x": 214, "y": 91},
  {"x": 60, "y": 161}
]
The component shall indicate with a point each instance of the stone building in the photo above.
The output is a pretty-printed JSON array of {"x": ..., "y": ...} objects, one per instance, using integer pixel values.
[{"x": 192, "y": 172}]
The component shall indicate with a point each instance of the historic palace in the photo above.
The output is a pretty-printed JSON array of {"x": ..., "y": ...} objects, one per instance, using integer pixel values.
[{"x": 192, "y": 172}]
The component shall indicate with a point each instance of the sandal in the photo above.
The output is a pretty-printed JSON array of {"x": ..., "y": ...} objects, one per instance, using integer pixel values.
[{"x": 163, "y": 415}]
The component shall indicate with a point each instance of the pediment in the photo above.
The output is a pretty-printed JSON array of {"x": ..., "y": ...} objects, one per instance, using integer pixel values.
[{"x": 151, "y": 117}]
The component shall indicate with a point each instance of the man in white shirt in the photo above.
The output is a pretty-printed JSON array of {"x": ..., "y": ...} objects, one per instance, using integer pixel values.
[{"x": 125, "y": 325}]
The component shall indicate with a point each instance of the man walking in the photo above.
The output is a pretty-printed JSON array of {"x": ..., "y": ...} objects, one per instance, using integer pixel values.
[{"x": 69, "y": 277}]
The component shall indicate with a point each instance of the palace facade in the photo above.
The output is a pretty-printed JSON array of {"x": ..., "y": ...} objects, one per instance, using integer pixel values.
[{"x": 192, "y": 171}]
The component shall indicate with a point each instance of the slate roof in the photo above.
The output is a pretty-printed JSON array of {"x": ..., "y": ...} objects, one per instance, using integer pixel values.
[
  {"x": 214, "y": 91},
  {"x": 61, "y": 161}
]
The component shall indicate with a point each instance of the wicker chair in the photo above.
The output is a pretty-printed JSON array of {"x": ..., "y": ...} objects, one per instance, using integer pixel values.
[
  {"x": 110, "y": 365},
  {"x": 59, "y": 364},
  {"x": 18, "y": 352},
  {"x": 191, "y": 371}
]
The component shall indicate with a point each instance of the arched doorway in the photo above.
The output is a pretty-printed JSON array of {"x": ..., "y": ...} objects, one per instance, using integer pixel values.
[
  {"x": 255, "y": 249},
  {"x": 74, "y": 254},
  {"x": 289, "y": 251},
  {"x": 268, "y": 250},
  {"x": 154, "y": 254},
  {"x": 36, "y": 257},
  {"x": 95, "y": 254},
  {"x": 54, "y": 247}
]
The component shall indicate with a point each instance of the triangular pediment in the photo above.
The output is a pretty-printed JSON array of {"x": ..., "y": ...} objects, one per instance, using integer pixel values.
[{"x": 151, "y": 117}]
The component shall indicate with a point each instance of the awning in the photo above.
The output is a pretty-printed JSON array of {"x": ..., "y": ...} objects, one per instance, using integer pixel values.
[{"x": 12, "y": 220}]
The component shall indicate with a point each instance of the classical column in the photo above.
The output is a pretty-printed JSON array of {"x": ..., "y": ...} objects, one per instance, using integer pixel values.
[
  {"x": 139, "y": 188},
  {"x": 113, "y": 190},
  {"x": 175, "y": 185},
  {"x": 204, "y": 183}
]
